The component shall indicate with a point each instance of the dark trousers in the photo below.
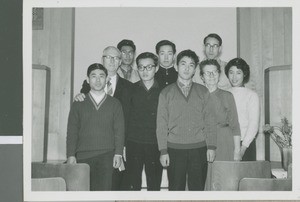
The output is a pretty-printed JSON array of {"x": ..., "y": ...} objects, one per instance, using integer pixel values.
[
  {"x": 190, "y": 163},
  {"x": 139, "y": 155},
  {"x": 101, "y": 168},
  {"x": 250, "y": 153},
  {"x": 118, "y": 181}
]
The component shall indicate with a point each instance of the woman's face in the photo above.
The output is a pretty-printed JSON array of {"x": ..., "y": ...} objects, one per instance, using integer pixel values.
[
  {"x": 210, "y": 75},
  {"x": 236, "y": 77}
]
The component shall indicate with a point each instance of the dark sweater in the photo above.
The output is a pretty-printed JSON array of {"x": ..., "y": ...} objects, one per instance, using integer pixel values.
[
  {"x": 122, "y": 93},
  {"x": 95, "y": 130},
  {"x": 166, "y": 76},
  {"x": 143, "y": 108}
]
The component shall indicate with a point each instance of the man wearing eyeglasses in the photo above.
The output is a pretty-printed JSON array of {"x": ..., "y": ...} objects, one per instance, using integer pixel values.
[
  {"x": 126, "y": 69},
  {"x": 116, "y": 87},
  {"x": 141, "y": 147},
  {"x": 212, "y": 50}
]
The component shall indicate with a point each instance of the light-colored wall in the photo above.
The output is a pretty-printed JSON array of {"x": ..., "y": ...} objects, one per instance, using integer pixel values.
[
  {"x": 96, "y": 28},
  {"x": 266, "y": 40},
  {"x": 52, "y": 47}
]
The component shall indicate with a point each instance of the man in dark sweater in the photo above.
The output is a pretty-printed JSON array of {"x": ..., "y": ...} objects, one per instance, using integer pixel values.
[
  {"x": 141, "y": 148},
  {"x": 166, "y": 73},
  {"x": 95, "y": 132},
  {"x": 119, "y": 88},
  {"x": 186, "y": 128}
]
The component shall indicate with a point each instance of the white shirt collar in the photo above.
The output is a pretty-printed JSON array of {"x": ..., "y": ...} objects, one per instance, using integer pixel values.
[{"x": 97, "y": 98}]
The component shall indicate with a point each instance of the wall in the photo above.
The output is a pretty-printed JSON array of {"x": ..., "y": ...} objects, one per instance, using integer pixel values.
[
  {"x": 53, "y": 47},
  {"x": 97, "y": 28},
  {"x": 265, "y": 40}
]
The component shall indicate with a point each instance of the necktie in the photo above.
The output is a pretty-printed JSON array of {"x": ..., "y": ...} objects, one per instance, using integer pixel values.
[
  {"x": 109, "y": 87},
  {"x": 126, "y": 74},
  {"x": 186, "y": 90}
]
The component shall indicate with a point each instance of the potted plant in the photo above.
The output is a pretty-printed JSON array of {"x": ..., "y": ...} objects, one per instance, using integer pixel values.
[{"x": 282, "y": 136}]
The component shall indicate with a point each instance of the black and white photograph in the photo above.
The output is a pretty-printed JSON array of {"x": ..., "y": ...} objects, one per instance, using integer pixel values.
[{"x": 125, "y": 100}]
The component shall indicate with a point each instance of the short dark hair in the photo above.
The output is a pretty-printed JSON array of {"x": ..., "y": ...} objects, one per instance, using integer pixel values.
[
  {"x": 240, "y": 64},
  {"x": 213, "y": 35},
  {"x": 126, "y": 42},
  {"x": 209, "y": 62},
  {"x": 165, "y": 43},
  {"x": 94, "y": 66},
  {"x": 146, "y": 55},
  {"x": 187, "y": 53}
]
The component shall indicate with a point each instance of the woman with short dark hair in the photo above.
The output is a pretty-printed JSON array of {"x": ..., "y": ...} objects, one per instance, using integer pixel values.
[{"x": 247, "y": 103}]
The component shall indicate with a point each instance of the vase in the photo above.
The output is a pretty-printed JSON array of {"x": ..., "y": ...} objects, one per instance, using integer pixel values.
[{"x": 286, "y": 157}]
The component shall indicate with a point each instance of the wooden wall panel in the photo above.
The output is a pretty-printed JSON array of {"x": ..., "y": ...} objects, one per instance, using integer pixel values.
[
  {"x": 38, "y": 113},
  {"x": 52, "y": 47},
  {"x": 288, "y": 36},
  {"x": 278, "y": 40},
  {"x": 269, "y": 39}
]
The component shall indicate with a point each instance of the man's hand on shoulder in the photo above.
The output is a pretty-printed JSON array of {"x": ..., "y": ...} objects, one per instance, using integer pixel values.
[{"x": 79, "y": 97}]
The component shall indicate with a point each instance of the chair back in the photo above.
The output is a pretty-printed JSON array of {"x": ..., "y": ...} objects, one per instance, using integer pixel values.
[
  {"x": 76, "y": 176},
  {"x": 265, "y": 184},
  {"x": 226, "y": 175},
  {"x": 48, "y": 184}
]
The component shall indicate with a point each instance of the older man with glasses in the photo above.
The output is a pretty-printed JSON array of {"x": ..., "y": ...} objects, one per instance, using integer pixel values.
[{"x": 116, "y": 87}]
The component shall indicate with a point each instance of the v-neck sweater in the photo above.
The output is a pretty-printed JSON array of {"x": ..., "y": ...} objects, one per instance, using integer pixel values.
[
  {"x": 185, "y": 122},
  {"x": 94, "y": 129}
]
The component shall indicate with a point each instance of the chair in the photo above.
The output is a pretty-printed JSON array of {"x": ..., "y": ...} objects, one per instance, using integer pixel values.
[
  {"x": 48, "y": 184},
  {"x": 265, "y": 184},
  {"x": 226, "y": 175},
  {"x": 76, "y": 176}
]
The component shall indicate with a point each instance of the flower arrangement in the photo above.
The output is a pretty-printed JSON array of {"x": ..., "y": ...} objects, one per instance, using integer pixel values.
[{"x": 282, "y": 135}]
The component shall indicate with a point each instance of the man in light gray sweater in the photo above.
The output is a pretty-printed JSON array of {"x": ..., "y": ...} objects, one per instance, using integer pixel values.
[{"x": 186, "y": 127}]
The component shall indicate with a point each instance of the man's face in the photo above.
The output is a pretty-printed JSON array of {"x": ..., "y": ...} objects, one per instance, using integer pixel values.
[
  {"x": 166, "y": 56},
  {"x": 186, "y": 68},
  {"x": 97, "y": 80},
  {"x": 127, "y": 55},
  {"x": 147, "y": 69},
  {"x": 212, "y": 48},
  {"x": 111, "y": 59}
]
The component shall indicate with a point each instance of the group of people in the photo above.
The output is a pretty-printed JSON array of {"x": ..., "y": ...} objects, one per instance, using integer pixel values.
[{"x": 157, "y": 116}]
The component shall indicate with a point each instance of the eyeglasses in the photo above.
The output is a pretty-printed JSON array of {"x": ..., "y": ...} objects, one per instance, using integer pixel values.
[
  {"x": 108, "y": 57},
  {"x": 130, "y": 53},
  {"x": 213, "y": 73},
  {"x": 148, "y": 67},
  {"x": 212, "y": 46}
]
